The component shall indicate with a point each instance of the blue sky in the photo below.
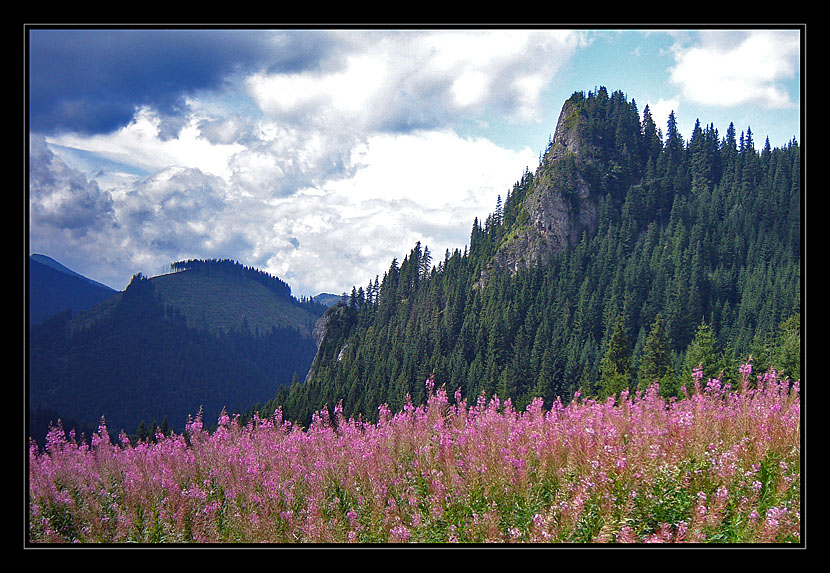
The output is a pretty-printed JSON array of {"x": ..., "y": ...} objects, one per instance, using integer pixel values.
[{"x": 321, "y": 155}]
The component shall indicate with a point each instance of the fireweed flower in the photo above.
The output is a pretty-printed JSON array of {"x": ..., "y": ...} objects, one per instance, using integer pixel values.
[{"x": 635, "y": 469}]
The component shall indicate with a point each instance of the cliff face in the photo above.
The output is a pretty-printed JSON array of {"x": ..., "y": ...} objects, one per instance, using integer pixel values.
[
  {"x": 338, "y": 322},
  {"x": 562, "y": 203}
]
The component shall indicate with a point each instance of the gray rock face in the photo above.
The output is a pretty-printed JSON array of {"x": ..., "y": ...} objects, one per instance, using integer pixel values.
[
  {"x": 566, "y": 138},
  {"x": 320, "y": 327},
  {"x": 560, "y": 207},
  {"x": 318, "y": 334}
]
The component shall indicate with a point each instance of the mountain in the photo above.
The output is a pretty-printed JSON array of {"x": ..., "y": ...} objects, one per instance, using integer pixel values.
[
  {"x": 578, "y": 170},
  {"x": 327, "y": 299},
  {"x": 53, "y": 288},
  {"x": 211, "y": 334},
  {"x": 628, "y": 256}
]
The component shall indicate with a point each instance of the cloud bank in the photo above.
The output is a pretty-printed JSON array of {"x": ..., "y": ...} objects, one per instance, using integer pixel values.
[
  {"x": 318, "y": 156},
  {"x": 315, "y": 155}
]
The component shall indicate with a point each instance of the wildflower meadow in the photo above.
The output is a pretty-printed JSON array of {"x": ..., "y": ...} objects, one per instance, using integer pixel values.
[{"x": 717, "y": 465}]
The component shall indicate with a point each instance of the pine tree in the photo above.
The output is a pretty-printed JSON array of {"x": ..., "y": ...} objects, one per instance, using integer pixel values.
[
  {"x": 165, "y": 426},
  {"x": 702, "y": 353},
  {"x": 425, "y": 263},
  {"x": 615, "y": 367},
  {"x": 141, "y": 433},
  {"x": 656, "y": 357},
  {"x": 651, "y": 137},
  {"x": 786, "y": 357},
  {"x": 545, "y": 382}
]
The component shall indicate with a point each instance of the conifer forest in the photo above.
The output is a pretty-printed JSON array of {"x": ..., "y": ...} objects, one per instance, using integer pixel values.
[{"x": 694, "y": 261}]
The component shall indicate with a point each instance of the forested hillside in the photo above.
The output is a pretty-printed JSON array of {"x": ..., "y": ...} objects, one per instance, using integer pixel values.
[
  {"x": 628, "y": 256},
  {"x": 213, "y": 334}
]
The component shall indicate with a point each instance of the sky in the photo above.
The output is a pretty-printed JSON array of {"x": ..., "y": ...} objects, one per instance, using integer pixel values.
[{"x": 320, "y": 155}]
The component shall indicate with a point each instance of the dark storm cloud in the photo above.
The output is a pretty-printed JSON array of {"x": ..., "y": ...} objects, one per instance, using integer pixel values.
[{"x": 90, "y": 81}]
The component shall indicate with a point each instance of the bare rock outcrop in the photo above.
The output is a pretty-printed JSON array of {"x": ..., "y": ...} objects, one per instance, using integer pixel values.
[{"x": 561, "y": 205}]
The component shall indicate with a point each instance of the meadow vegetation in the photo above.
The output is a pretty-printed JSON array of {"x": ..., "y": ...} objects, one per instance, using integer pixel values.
[{"x": 718, "y": 464}]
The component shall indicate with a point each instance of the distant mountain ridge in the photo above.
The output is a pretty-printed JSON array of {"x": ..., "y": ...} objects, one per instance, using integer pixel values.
[
  {"x": 237, "y": 297},
  {"x": 50, "y": 262},
  {"x": 53, "y": 288},
  {"x": 328, "y": 299}
]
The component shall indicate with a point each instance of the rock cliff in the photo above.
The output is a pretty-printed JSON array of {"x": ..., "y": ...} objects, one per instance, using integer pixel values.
[
  {"x": 339, "y": 319},
  {"x": 562, "y": 203}
]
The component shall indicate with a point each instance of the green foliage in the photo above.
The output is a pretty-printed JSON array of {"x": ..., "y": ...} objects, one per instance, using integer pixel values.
[
  {"x": 787, "y": 355},
  {"x": 701, "y": 353}
]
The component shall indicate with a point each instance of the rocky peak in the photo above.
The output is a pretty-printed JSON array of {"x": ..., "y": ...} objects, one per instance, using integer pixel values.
[{"x": 561, "y": 204}]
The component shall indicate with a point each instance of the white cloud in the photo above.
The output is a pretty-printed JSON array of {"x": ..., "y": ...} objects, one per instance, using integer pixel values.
[
  {"x": 424, "y": 187},
  {"x": 140, "y": 144},
  {"x": 435, "y": 168},
  {"x": 728, "y": 70},
  {"x": 223, "y": 131},
  {"x": 426, "y": 76},
  {"x": 344, "y": 167},
  {"x": 470, "y": 88}
]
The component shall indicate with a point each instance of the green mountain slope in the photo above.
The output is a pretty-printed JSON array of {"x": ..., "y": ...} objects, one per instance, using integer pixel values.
[
  {"x": 222, "y": 303},
  {"x": 628, "y": 256}
]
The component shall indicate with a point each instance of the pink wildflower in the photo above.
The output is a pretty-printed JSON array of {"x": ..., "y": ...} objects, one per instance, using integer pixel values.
[{"x": 400, "y": 534}]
